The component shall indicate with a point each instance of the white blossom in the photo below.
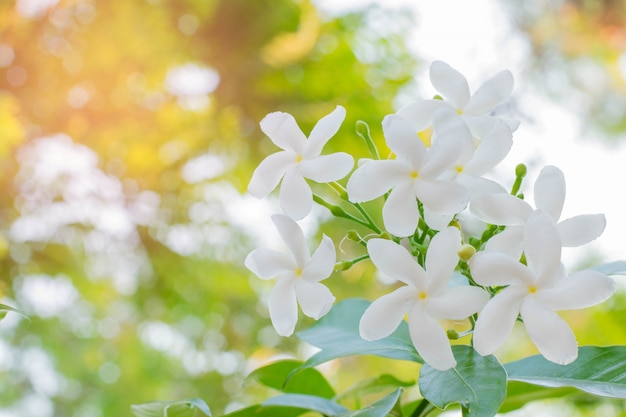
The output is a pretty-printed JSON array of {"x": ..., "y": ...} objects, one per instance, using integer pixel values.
[
  {"x": 426, "y": 298},
  {"x": 535, "y": 291},
  {"x": 300, "y": 158},
  {"x": 298, "y": 276}
]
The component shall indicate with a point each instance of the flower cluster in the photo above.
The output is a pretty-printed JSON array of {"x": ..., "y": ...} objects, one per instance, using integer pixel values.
[{"x": 432, "y": 182}]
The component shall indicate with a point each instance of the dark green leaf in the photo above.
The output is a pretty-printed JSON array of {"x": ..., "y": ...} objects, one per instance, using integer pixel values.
[
  {"x": 308, "y": 402},
  {"x": 598, "y": 370},
  {"x": 308, "y": 381},
  {"x": 518, "y": 394},
  {"x": 260, "y": 411},
  {"x": 337, "y": 335},
  {"x": 611, "y": 268},
  {"x": 194, "y": 407},
  {"x": 477, "y": 382},
  {"x": 380, "y": 408}
]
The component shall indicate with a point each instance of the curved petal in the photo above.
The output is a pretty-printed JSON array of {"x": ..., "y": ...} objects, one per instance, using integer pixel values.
[
  {"x": 550, "y": 333},
  {"x": 450, "y": 83},
  {"x": 496, "y": 320},
  {"x": 402, "y": 140},
  {"x": 492, "y": 150},
  {"x": 495, "y": 269},
  {"x": 579, "y": 290},
  {"x": 384, "y": 315},
  {"x": 493, "y": 92},
  {"x": 284, "y": 131},
  {"x": 325, "y": 128},
  {"x": 315, "y": 299},
  {"x": 457, "y": 303},
  {"x": 500, "y": 209},
  {"x": 441, "y": 259},
  {"x": 269, "y": 172},
  {"x": 327, "y": 168},
  {"x": 443, "y": 197},
  {"x": 420, "y": 113},
  {"x": 293, "y": 237},
  {"x": 430, "y": 340},
  {"x": 375, "y": 178},
  {"x": 295, "y": 196},
  {"x": 283, "y": 307},
  {"x": 322, "y": 263},
  {"x": 549, "y": 191},
  {"x": 451, "y": 139},
  {"x": 477, "y": 185},
  {"x": 509, "y": 242},
  {"x": 542, "y": 245},
  {"x": 400, "y": 212},
  {"x": 268, "y": 263},
  {"x": 437, "y": 221},
  {"x": 578, "y": 230},
  {"x": 396, "y": 262}
]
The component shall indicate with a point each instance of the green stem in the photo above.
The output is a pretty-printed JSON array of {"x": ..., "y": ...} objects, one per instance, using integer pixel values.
[
  {"x": 363, "y": 130},
  {"x": 343, "y": 193},
  {"x": 338, "y": 211},
  {"x": 423, "y": 409}
]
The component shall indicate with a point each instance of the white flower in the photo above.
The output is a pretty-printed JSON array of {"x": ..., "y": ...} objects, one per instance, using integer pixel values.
[
  {"x": 299, "y": 159},
  {"x": 549, "y": 192},
  {"x": 413, "y": 174},
  {"x": 426, "y": 297},
  {"x": 535, "y": 291},
  {"x": 298, "y": 276},
  {"x": 474, "y": 109}
]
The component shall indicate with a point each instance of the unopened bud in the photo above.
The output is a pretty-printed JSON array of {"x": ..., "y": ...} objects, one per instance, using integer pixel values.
[
  {"x": 353, "y": 235},
  {"x": 343, "y": 265},
  {"x": 466, "y": 252},
  {"x": 452, "y": 334},
  {"x": 520, "y": 170},
  {"x": 455, "y": 223}
]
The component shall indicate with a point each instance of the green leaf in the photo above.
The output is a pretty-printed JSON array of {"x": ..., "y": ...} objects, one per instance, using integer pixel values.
[
  {"x": 611, "y": 268},
  {"x": 277, "y": 375},
  {"x": 337, "y": 335},
  {"x": 380, "y": 408},
  {"x": 194, "y": 407},
  {"x": 308, "y": 402},
  {"x": 4, "y": 309},
  {"x": 518, "y": 394},
  {"x": 477, "y": 382},
  {"x": 597, "y": 370},
  {"x": 260, "y": 411},
  {"x": 374, "y": 385}
]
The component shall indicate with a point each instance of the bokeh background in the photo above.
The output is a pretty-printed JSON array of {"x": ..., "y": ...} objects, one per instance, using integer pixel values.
[{"x": 129, "y": 131}]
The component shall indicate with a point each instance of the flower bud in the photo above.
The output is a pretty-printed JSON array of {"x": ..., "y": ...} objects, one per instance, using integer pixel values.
[
  {"x": 520, "y": 170},
  {"x": 452, "y": 334},
  {"x": 343, "y": 265},
  {"x": 353, "y": 235},
  {"x": 466, "y": 252}
]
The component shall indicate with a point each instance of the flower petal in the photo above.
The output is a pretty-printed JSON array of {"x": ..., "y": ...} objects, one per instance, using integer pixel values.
[
  {"x": 493, "y": 92},
  {"x": 578, "y": 230},
  {"x": 396, "y": 262},
  {"x": 492, "y": 149},
  {"x": 315, "y": 299},
  {"x": 550, "y": 333},
  {"x": 269, "y": 172},
  {"x": 500, "y": 209},
  {"x": 402, "y": 140},
  {"x": 283, "y": 306},
  {"x": 509, "y": 242},
  {"x": 443, "y": 197},
  {"x": 375, "y": 178},
  {"x": 477, "y": 185},
  {"x": 496, "y": 320},
  {"x": 284, "y": 131},
  {"x": 549, "y": 191},
  {"x": 295, "y": 196},
  {"x": 542, "y": 245},
  {"x": 420, "y": 113},
  {"x": 400, "y": 212},
  {"x": 268, "y": 263},
  {"x": 325, "y": 128},
  {"x": 293, "y": 237},
  {"x": 496, "y": 269},
  {"x": 451, "y": 139},
  {"x": 430, "y": 340},
  {"x": 384, "y": 315},
  {"x": 457, "y": 303},
  {"x": 322, "y": 263},
  {"x": 579, "y": 290},
  {"x": 450, "y": 83},
  {"x": 441, "y": 258},
  {"x": 327, "y": 168}
]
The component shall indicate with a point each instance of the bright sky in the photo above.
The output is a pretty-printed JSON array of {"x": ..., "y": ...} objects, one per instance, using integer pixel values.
[{"x": 477, "y": 39}]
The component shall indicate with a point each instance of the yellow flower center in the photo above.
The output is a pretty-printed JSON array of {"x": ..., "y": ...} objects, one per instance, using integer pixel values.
[
  {"x": 414, "y": 174},
  {"x": 532, "y": 289},
  {"x": 459, "y": 169},
  {"x": 422, "y": 295},
  {"x": 298, "y": 272},
  {"x": 298, "y": 159},
  {"x": 459, "y": 111}
]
